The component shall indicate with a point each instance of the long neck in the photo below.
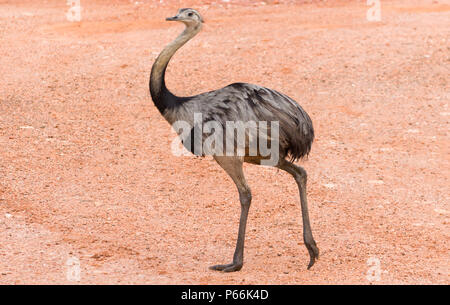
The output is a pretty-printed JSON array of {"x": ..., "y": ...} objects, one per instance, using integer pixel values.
[{"x": 162, "y": 98}]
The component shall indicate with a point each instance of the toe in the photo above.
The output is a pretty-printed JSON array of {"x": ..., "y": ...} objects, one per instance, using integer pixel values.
[
  {"x": 227, "y": 268},
  {"x": 219, "y": 267},
  {"x": 233, "y": 268}
]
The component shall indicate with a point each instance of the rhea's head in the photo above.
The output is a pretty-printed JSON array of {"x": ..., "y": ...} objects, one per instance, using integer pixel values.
[{"x": 188, "y": 16}]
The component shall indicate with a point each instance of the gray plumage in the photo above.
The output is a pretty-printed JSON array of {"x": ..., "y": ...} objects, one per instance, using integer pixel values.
[
  {"x": 248, "y": 102},
  {"x": 245, "y": 103}
]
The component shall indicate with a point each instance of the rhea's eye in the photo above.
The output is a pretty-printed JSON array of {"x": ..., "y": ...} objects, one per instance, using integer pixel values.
[{"x": 190, "y": 14}]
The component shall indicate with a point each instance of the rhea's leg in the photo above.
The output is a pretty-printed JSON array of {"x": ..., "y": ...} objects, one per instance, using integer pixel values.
[
  {"x": 233, "y": 167},
  {"x": 300, "y": 177}
]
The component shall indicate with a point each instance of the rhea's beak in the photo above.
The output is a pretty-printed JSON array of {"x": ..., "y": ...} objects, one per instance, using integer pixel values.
[{"x": 174, "y": 18}]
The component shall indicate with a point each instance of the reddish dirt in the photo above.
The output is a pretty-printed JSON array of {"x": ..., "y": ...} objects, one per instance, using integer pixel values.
[{"x": 87, "y": 171}]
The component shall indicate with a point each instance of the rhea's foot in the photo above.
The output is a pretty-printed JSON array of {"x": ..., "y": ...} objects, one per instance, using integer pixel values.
[
  {"x": 313, "y": 252},
  {"x": 227, "y": 268}
]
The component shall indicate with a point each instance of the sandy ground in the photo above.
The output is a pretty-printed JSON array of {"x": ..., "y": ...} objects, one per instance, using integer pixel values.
[{"x": 87, "y": 177}]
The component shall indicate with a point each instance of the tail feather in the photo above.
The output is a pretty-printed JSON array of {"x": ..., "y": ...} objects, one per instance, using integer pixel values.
[
  {"x": 300, "y": 138},
  {"x": 296, "y": 128}
]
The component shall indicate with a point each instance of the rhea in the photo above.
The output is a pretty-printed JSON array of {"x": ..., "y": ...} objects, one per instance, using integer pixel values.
[{"x": 239, "y": 102}]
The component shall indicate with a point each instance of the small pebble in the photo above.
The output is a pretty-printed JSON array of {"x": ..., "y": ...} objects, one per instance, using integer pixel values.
[
  {"x": 441, "y": 211},
  {"x": 379, "y": 182}
]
